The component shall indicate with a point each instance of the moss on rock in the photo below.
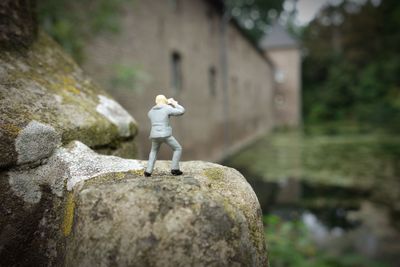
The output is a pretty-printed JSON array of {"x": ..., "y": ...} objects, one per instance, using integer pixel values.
[
  {"x": 43, "y": 84},
  {"x": 214, "y": 173}
]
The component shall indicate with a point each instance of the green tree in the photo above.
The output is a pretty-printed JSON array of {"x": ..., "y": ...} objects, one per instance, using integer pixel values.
[
  {"x": 255, "y": 15},
  {"x": 351, "y": 65},
  {"x": 73, "y": 22}
]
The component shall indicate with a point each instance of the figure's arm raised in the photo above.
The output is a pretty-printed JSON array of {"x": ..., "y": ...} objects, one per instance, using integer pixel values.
[{"x": 176, "y": 110}]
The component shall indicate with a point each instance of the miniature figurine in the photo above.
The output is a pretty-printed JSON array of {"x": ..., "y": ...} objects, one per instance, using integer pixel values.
[{"x": 161, "y": 132}]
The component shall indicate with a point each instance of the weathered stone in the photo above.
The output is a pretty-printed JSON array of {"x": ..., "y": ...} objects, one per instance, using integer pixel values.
[
  {"x": 115, "y": 113},
  {"x": 35, "y": 142},
  {"x": 71, "y": 165},
  {"x": 31, "y": 203},
  {"x": 210, "y": 216},
  {"x": 44, "y": 96},
  {"x": 30, "y": 233}
]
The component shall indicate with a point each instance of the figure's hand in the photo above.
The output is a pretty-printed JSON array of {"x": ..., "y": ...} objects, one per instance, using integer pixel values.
[{"x": 172, "y": 102}]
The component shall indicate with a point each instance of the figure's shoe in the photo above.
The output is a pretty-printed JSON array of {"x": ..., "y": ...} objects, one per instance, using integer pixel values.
[
  {"x": 176, "y": 172},
  {"x": 147, "y": 174}
]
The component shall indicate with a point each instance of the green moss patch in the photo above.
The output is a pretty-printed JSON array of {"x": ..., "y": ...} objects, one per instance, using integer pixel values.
[{"x": 214, "y": 173}]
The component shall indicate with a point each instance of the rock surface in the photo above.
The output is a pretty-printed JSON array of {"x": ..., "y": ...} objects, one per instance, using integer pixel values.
[
  {"x": 67, "y": 165},
  {"x": 62, "y": 204},
  {"x": 33, "y": 203},
  {"x": 114, "y": 216},
  {"x": 45, "y": 103},
  {"x": 210, "y": 216},
  {"x": 46, "y": 100}
]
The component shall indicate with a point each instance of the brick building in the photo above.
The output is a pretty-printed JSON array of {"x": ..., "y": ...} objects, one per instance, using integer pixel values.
[{"x": 186, "y": 49}]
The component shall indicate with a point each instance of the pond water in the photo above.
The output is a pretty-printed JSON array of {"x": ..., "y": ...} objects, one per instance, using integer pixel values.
[{"x": 344, "y": 189}]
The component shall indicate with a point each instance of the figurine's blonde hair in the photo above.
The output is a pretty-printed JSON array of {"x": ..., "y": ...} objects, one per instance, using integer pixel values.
[{"x": 161, "y": 99}]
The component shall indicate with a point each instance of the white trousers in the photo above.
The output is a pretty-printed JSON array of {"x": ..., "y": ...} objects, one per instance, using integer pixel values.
[{"x": 155, "y": 147}]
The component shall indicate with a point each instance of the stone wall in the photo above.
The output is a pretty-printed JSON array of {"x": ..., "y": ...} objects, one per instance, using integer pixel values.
[{"x": 151, "y": 31}]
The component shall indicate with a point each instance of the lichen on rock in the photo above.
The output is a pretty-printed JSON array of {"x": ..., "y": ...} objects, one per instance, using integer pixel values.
[
  {"x": 68, "y": 214},
  {"x": 214, "y": 173}
]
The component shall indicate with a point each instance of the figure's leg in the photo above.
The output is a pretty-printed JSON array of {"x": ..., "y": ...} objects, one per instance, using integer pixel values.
[
  {"x": 171, "y": 141},
  {"x": 155, "y": 146}
]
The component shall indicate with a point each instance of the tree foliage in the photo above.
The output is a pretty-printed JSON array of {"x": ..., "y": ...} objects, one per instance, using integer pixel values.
[
  {"x": 255, "y": 15},
  {"x": 73, "y": 22},
  {"x": 352, "y": 65}
]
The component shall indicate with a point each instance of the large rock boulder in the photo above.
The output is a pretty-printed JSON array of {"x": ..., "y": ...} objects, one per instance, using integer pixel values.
[
  {"x": 210, "y": 216},
  {"x": 86, "y": 209},
  {"x": 46, "y": 100},
  {"x": 63, "y": 204}
]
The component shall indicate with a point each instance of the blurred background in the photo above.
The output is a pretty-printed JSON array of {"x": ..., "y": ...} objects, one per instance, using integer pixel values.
[{"x": 301, "y": 96}]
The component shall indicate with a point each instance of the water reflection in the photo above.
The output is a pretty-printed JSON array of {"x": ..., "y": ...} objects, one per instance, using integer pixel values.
[{"x": 345, "y": 190}]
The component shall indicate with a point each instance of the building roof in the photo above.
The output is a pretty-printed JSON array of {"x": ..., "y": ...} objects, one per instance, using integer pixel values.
[{"x": 278, "y": 37}]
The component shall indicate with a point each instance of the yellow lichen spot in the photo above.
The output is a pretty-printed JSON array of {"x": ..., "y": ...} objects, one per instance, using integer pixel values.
[
  {"x": 228, "y": 208},
  {"x": 137, "y": 172},
  {"x": 71, "y": 89},
  {"x": 119, "y": 175},
  {"x": 214, "y": 173},
  {"x": 69, "y": 85},
  {"x": 68, "y": 214},
  {"x": 10, "y": 129}
]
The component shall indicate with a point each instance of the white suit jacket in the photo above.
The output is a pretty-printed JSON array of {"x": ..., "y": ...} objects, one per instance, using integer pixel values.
[{"x": 159, "y": 117}]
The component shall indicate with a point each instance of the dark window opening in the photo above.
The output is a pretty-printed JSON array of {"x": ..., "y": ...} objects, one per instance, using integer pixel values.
[
  {"x": 176, "y": 72},
  {"x": 212, "y": 81}
]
